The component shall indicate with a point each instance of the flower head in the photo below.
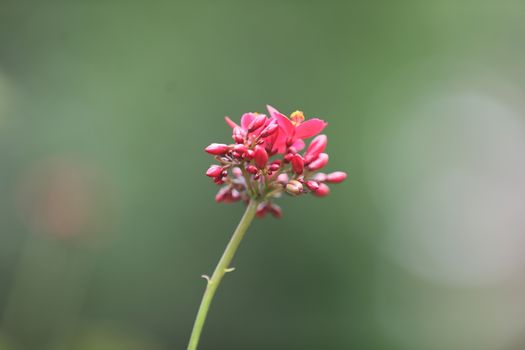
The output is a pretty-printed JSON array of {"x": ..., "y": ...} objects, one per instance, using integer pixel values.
[
  {"x": 265, "y": 160},
  {"x": 293, "y": 130}
]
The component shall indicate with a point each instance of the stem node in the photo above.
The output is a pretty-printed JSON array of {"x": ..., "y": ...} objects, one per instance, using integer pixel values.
[{"x": 207, "y": 278}]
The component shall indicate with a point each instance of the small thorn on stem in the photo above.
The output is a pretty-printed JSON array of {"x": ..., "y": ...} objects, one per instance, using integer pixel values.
[
  {"x": 207, "y": 278},
  {"x": 231, "y": 269}
]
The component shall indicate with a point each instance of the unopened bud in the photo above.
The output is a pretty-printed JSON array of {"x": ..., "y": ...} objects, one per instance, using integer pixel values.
[
  {"x": 238, "y": 135},
  {"x": 312, "y": 185},
  {"x": 294, "y": 187},
  {"x": 297, "y": 164},
  {"x": 217, "y": 149},
  {"x": 283, "y": 178},
  {"x": 214, "y": 171},
  {"x": 260, "y": 156},
  {"x": 322, "y": 191},
  {"x": 235, "y": 195},
  {"x": 336, "y": 177},
  {"x": 274, "y": 167},
  {"x": 319, "y": 163},
  {"x": 270, "y": 129},
  {"x": 218, "y": 180},
  {"x": 222, "y": 194},
  {"x": 315, "y": 148},
  {"x": 237, "y": 172},
  {"x": 249, "y": 154},
  {"x": 257, "y": 122},
  {"x": 288, "y": 157},
  {"x": 261, "y": 210},
  {"x": 275, "y": 210},
  {"x": 252, "y": 169},
  {"x": 320, "y": 177},
  {"x": 240, "y": 148}
]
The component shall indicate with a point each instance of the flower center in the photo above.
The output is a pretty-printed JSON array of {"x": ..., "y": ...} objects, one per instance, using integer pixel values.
[{"x": 297, "y": 117}]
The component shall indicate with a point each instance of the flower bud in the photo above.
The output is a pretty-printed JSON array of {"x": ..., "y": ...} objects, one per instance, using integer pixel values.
[
  {"x": 336, "y": 177},
  {"x": 294, "y": 187},
  {"x": 275, "y": 210},
  {"x": 217, "y": 149},
  {"x": 312, "y": 185},
  {"x": 320, "y": 177},
  {"x": 252, "y": 169},
  {"x": 261, "y": 210},
  {"x": 223, "y": 193},
  {"x": 274, "y": 167},
  {"x": 249, "y": 154},
  {"x": 270, "y": 129},
  {"x": 260, "y": 156},
  {"x": 315, "y": 148},
  {"x": 257, "y": 122},
  {"x": 235, "y": 195},
  {"x": 240, "y": 148},
  {"x": 283, "y": 178},
  {"x": 214, "y": 171},
  {"x": 288, "y": 157},
  {"x": 237, "y": 172},
  {"x": 322, "y": 191},
  {"x": 238, "y": 135},
  {"x": 297, "y": 164},
  {"x": 319, "y": 163}
]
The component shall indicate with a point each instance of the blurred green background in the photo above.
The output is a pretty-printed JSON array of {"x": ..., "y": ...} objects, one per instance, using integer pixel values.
[{"x": 107, "y": 220}]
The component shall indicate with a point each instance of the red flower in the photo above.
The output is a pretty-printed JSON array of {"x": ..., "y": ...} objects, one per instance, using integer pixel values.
[
  {"x": 292, "y": 131},
  {"x": 265, "y": 161}
]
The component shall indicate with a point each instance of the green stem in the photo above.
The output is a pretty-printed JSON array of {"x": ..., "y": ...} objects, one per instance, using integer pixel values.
[
  {"x": 222, "y": 268},
  {"x": 251, "y": 191}
]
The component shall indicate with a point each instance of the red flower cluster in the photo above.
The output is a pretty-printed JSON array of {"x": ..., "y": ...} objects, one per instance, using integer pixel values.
[{"x": 246, "y": 168}]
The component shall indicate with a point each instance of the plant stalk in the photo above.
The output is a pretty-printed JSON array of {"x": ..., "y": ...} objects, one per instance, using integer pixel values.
[{"x": 222, "y": 268}]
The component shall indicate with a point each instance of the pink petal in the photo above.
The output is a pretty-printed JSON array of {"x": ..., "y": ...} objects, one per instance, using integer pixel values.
[
  {"x": 310, "y": 128},
  {"x": 280, "y": 142},
  {"x": 287, "y": 128},
  {"x": 273, "y": 112},
  {"x": 246, "y": 119},
  {"x": 286, "y": 125},
  {"x": 298, "y": 144},
  {"x": 230, "y": 122}
]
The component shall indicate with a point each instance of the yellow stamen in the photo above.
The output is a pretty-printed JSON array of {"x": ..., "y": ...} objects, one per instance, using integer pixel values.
[{"x": 297, "y": 117}]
